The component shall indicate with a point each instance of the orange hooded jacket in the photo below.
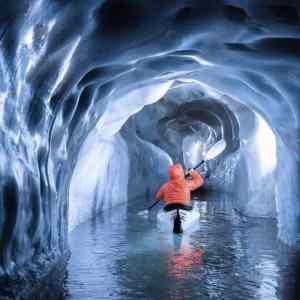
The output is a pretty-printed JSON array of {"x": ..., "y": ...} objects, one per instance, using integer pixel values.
[{"x": 177, "y": 189}]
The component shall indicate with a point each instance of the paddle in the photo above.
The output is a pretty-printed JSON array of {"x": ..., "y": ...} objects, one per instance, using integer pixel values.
[
  {"x": 214, "y": 151},
  {"x": 146, "y": 211},
  {"x": 153, "y": 204}
]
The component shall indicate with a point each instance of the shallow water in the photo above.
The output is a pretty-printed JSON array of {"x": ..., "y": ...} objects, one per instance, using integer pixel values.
[{"x": 121, "y": 255}]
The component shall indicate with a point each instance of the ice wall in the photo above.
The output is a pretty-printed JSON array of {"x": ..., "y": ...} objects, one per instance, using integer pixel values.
[
  {"x": 148, "y": 165},
  {"x": 100, "y": 178},
  {"x": 64, "y": 67}
]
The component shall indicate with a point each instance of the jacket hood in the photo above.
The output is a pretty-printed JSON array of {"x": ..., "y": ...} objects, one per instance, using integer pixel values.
[{"x": 176, "y": 172}]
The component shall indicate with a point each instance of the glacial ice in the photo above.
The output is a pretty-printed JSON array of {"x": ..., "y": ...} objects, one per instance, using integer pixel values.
[
  {"x": 96, "y": 100},
  {"x": 99, "y": 180}
]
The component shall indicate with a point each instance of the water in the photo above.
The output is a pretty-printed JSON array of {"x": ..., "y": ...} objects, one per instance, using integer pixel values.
[{"x": 120, "y": 255}]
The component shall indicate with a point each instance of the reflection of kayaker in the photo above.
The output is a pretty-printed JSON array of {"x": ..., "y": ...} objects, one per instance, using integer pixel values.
[
  {"x": 180, "y": 263},
  {"x": 176, "y": 193}
]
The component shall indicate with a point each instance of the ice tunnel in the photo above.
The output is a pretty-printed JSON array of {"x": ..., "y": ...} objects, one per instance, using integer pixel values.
[{"x": 98, "y": 98}]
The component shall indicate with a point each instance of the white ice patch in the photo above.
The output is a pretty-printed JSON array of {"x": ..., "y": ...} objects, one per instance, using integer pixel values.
[
  {"x": 121, "y": 109},
  {"x": 100, "y": 178}
]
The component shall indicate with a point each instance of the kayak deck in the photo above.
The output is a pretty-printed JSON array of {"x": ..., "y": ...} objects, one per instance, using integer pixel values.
[{"x": 165, "y": 220}]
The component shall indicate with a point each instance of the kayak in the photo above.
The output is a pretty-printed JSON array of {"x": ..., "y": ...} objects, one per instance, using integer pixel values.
[{"x": 178, "y": 220}]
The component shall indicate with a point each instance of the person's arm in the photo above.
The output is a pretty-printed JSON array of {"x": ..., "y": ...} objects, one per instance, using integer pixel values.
[{"x": 196, "y": 181}]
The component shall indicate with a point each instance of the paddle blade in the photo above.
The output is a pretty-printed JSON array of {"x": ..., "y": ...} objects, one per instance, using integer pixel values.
[
  {"x": 192, "y": 149},
  {"x": 215, "y": 150},
  {"x": 143, "y": 213}
]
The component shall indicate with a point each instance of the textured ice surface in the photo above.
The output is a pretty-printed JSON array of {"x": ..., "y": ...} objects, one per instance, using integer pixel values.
[
  {"x": 99, "y": 179},
  {"x": 67, "y": 68},
  {"x": 148, "y": 166}
]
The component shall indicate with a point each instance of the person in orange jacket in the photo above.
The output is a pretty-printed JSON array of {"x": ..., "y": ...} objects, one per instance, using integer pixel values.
[{"x": 176, "y": 193}]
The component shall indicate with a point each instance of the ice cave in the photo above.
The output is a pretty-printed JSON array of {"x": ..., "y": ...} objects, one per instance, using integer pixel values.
[{"x": 98, "y": 98}]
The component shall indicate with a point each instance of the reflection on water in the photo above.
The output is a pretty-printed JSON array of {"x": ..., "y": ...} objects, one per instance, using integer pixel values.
[
  {"x": 183, "y": 261},
  {"x": 123, "y": 256}
]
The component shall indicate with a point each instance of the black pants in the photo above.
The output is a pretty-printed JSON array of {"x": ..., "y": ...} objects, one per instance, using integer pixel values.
[{"x": 173, "y": 206}]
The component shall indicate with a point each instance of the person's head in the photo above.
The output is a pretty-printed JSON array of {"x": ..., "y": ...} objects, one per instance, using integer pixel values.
[{"x": 176, "y": 172}]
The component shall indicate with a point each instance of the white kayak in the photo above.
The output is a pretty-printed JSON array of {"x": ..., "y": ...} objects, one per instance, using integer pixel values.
[{"x": 166, "y": 219}]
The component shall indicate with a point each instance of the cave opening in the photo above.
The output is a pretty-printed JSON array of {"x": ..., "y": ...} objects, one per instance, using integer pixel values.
[{"x": 147, "y": 139}]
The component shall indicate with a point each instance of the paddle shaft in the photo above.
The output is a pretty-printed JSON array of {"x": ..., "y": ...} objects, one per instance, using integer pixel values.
[
  {"x": 214, "y": 151},
  {"x": 196, "y": 167},
  {"x": 153, "y": 204},
  {"x": 200, "y": 163}
]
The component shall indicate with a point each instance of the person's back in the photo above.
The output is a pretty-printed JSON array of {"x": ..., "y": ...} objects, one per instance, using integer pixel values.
[{"x": 178, "y": 190}]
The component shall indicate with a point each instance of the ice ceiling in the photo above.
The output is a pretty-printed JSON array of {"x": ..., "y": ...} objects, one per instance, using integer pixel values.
[{"x": 80, "y": 76}]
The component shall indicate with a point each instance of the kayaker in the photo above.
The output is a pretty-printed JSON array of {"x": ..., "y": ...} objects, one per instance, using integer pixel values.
[{"x": 176, "y": 193}]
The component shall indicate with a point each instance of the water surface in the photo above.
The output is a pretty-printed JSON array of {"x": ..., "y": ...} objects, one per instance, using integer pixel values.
[{"x": 120, "y": 255}]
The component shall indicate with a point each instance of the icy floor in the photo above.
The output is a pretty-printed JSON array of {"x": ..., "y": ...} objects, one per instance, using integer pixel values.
[{"x": 120, "y": 255}]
